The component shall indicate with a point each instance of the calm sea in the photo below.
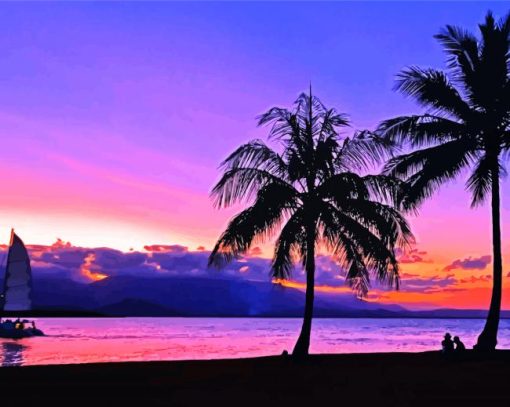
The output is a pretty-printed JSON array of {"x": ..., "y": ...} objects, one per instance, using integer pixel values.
[{"x": 73, "y": 340}]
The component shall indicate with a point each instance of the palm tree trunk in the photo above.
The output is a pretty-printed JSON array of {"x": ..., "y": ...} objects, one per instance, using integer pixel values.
[
  {"x": 488, "y": 338},
  {"x": 303, "y": 342}
]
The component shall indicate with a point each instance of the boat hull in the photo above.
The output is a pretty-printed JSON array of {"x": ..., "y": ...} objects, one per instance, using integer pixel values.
[{"x": 20, "y": 333}]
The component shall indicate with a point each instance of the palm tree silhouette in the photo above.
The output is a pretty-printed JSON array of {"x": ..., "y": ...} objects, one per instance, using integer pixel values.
[
  {"x": 309, "y": 196},
  {"x": 466, "y": 127}
]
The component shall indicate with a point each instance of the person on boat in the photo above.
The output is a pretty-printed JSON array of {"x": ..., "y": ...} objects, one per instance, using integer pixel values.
[
  {"x": 33, "y": 325},
  {"x": 7, "y": 324},
  {"x": 19, "y": 324},
  {"x": 447, "y": 344},
  {"x": 459, "y": 346}
]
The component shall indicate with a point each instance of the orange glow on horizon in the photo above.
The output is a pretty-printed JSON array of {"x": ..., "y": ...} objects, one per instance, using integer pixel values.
[
  {"x": 85, "y": 269},
  {"x": 320, "y": 288}
]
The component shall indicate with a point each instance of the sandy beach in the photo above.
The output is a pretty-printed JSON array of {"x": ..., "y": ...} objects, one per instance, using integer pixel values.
[{"x": 391, "y": 379}]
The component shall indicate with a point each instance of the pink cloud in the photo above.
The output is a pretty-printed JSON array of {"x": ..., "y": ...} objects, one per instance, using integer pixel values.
[
  {"x": 476, "y": 279},
  {"x": 255, "y": 251},
  {"x": 412, "y": 256}
]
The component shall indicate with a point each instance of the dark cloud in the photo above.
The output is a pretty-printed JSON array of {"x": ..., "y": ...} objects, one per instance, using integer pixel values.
[
  {"x": 66, "y": 260},
  {"x": 476, "y": 263},
  {"x": 425, "y": 284},
  {"x": 83, "y": 264}
]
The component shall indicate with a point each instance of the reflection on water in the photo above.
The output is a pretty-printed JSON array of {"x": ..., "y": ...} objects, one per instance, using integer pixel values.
[
  {"x": 12, "y": 354},
  {"x": 86, "y": 340}
]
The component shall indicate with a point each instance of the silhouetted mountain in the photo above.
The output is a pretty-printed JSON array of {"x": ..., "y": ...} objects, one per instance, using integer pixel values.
[
  {"x": 135, "y": 308},
  {"x": 58, "y": 293},
  {"x": 192, "y": 296},
  {"x": 207, "y": 297},
  {"x": 202, "y": 296}
]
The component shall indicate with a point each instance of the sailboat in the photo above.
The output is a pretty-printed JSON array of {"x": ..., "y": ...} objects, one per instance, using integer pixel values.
[{"x": 17, "y": 291}]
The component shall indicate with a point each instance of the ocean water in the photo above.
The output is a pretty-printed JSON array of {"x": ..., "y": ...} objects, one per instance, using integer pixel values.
[{"x": 85, "y": 340}]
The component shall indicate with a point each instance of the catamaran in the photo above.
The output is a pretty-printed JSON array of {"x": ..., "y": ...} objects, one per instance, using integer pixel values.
[{"x": 17, "y": 290}]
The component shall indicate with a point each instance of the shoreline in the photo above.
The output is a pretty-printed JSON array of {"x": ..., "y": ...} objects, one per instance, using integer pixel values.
[
  {"x": 99, "y": 316},
  {"x": 381, "y": 379}
]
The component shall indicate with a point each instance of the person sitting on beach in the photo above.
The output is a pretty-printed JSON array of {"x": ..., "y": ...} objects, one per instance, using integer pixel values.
[
  {"x": 447, "y": 344},
  {"x": 459, "y": 346}
]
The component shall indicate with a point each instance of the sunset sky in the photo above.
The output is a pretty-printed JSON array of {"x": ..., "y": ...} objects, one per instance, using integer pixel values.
[{"x": 115, "y": 117}]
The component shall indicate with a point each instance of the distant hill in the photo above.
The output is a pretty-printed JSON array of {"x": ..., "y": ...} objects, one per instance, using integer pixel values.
[
  {"x": 135, "y": 308},
  {"x": 193, "y": 296},
  {"x": 207, "y": 297}
]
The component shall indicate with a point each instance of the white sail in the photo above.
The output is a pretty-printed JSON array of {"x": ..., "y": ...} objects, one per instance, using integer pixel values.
[{"x": 18, "y": 277}]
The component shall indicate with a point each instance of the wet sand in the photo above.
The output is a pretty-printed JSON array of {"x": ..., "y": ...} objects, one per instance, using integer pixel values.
[{"x": 386, "y": 379}]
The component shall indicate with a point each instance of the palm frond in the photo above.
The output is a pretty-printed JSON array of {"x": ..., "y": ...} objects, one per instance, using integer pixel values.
[
  {"x": 289, "y": 245},
  {"x": 382, "y": 220},
  {"x": 260, "y": 221},
  {"x": 431, "y": 89},
  {"x": 330, "y": 122},
  {"x": 256, "y": 154},
  {"x": 283, "y": 123},
  {"x": 421, "y": 130},
  {"x": 346, "y": 252},
  {"x": 364, "y": 251},
  {"x": 449, "y": 157},
  {"x": 326, "y": 153},
  {"x": 386, "y": 188},
  {"x": 463, "y": 56},
  {"x": 243, "y": 184},
  {"x": 364, "y": 151},
  {"x": 479, "y": 182},
  {"x": 341, "y": 186},
  {"x": 436, "y": 171}
]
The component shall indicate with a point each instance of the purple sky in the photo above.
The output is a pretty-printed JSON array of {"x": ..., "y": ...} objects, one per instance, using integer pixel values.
[{"x": 115, "y": 116}]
